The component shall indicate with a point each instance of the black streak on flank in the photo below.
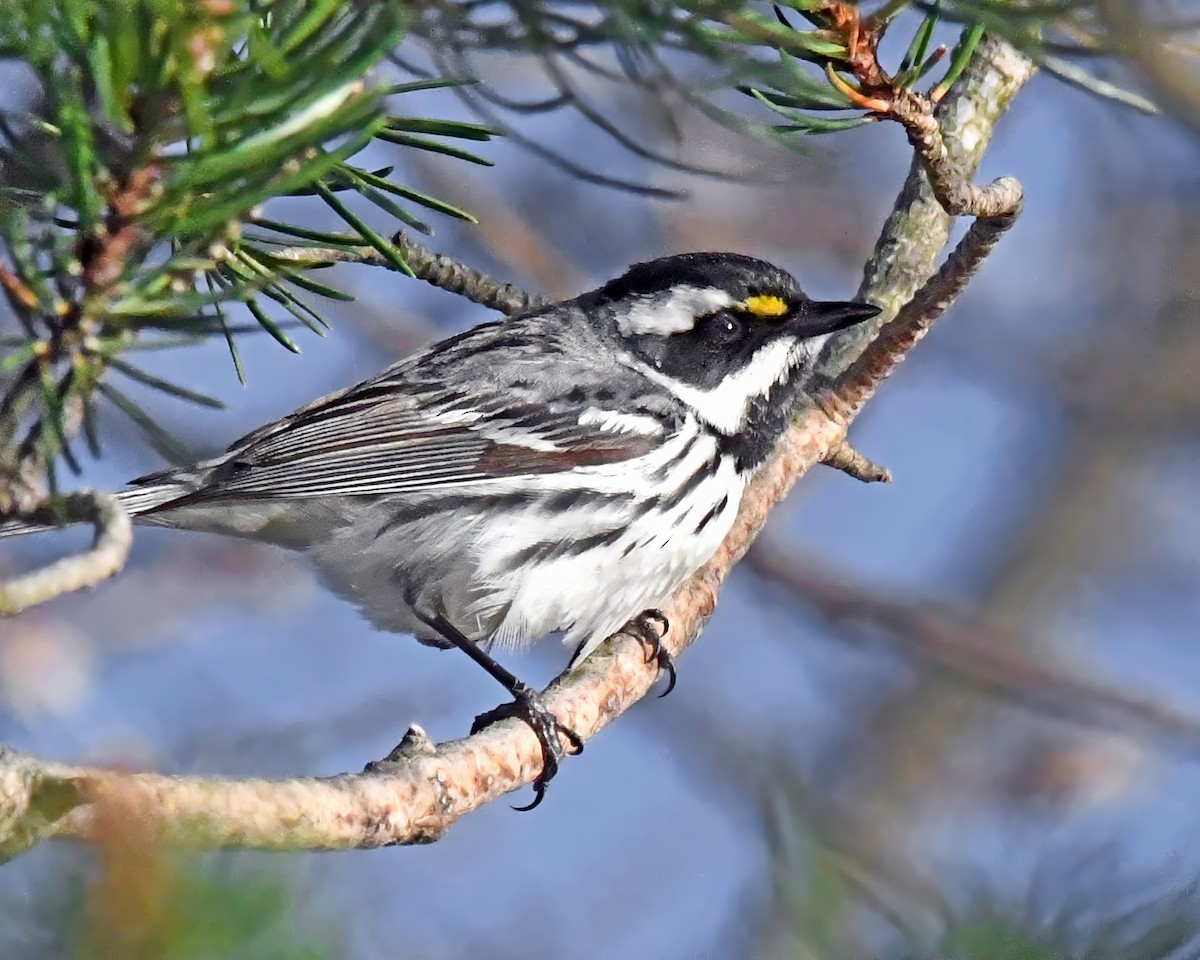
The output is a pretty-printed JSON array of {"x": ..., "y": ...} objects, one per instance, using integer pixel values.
[
  {"x": 638, "y": 545},
  {"x": 563, "y": 501},
  {"x": 545, "y": 550},
  {"x": 584, "y": 544},
  {"x": 707, "y": 469},
  {"x": 719, "y": 508}
]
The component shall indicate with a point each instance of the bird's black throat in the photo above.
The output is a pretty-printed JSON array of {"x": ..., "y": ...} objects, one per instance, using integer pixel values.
[{"x": 767, "y": 419}]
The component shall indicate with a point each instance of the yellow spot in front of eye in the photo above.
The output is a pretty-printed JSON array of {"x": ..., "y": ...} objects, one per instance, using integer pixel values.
[{"x": 767, "y": 306}]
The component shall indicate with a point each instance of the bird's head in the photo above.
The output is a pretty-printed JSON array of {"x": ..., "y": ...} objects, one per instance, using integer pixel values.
[{"x": 721, "y": 331}]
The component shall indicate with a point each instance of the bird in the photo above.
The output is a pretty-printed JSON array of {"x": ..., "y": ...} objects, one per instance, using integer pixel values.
[{"x": 559, "y": 471}]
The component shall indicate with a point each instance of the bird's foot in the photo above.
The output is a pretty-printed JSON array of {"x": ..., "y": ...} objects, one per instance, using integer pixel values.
[
  {"x": 649, "y": 628},
  {"x": 529, "y": 707}
]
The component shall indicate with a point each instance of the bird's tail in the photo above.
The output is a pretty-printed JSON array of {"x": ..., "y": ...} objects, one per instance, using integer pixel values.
[{"x": 137, "y": 501}]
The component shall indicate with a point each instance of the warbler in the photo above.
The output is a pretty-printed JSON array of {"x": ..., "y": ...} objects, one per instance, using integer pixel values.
[{"x": 563, "y": 470}]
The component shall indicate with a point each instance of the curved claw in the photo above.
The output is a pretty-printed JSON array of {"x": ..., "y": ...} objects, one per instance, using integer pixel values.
[
  {"x": 528, "y": 707},
  {"x": 549, "y": 770},
  {"x": 656, "y": 615},
  {"x": 666, "y": 662},
  {"x": 649, "y": 628},
  {"x": 550, "y": 761},
  {"x": 540, "y": 792}
]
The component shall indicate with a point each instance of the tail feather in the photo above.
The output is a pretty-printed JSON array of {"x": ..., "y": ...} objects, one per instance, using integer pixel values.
[{"x": 137, "y": 501}]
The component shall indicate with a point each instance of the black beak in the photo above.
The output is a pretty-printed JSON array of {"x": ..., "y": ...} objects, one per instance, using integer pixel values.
[{"x": 815, "y": 319}]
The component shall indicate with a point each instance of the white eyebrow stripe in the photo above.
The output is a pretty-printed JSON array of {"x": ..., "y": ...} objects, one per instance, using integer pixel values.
[{"x": 659, "y": 315}]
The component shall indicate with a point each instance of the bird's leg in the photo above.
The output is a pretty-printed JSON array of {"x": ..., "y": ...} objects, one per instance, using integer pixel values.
[
  {"x": 527, "y": 705},
  {"x": 648, "y": 628}
]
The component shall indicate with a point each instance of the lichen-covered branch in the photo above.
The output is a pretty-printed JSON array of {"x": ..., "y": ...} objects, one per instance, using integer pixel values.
[
  {"x": 434, "y": 268},
  {"x": 906, "y": 254},
  {"x": 423, "y": 788},
  {"x": 857, "y": 383},
  {"x": 114, "y": 535}
]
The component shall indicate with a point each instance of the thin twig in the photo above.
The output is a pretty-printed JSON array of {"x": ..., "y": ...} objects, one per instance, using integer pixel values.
[
  {"x": 434, "y": 268},
  {"x": 456, "y": 277},
  {"x": 957, "y": 195},
  {"x": 906, "y": 254},
  {"x": 859, "y": 381},
  {"x": 114, "y": 534}
]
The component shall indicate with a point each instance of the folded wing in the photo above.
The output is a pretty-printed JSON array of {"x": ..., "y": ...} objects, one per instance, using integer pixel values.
[{"x": 382, "y": 438}]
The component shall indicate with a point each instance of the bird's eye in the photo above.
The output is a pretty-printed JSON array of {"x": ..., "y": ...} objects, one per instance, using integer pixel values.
[{"x": 723, "y": 328}]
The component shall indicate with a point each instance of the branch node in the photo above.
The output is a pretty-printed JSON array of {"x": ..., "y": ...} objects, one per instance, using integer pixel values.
[
  {"x": 844, "y": 457},
  {"x": 857, "y": 97},
  {"x": 415, "y": 743}
]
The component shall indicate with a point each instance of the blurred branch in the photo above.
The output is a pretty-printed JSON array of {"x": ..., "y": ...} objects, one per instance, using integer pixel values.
[
  {"x": 1123, "y": 396},
  {"x": 422, "y": 788},
  {"x": 1167, "y": 56},
  {"x": 114, "y": 535},
  {"x": 971, "y": 651},
  {"x": 1076, "y": 76}
]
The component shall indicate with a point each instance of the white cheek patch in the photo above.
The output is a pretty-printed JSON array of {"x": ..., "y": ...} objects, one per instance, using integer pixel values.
[
  {"x": 664, "y": 315},
  {"x": 810, "y": 348},
  {"x": 726, "y": 405}
]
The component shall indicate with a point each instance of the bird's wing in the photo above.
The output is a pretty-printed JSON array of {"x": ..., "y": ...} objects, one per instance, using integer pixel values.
[{"x": 381, "y": 438}]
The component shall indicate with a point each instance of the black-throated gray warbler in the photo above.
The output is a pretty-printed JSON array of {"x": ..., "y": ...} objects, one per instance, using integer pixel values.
[{"x": 560, "y": 470}]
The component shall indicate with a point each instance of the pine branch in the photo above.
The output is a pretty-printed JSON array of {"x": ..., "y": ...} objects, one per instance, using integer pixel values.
[
  {"x": 419, "y": 791},
  {"x": 159, "y": 128}
]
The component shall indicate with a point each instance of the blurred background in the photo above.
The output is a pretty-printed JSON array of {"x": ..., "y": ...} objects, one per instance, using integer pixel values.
[{"x": 954, "y": 716}]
